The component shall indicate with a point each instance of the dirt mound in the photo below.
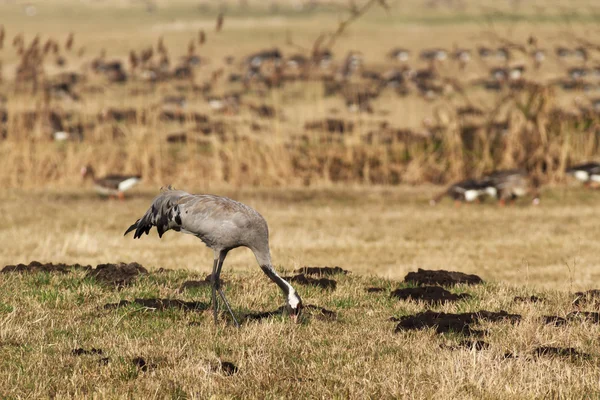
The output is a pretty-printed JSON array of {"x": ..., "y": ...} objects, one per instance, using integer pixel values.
[
  {"x": 323, "y": 283},
  {"x": 375, "y": 290},
  {"x": 428, "y": 294},
  {"x": 588, "y": 316},
  {"x": 82, "y": 352},
  {"x": 161, "y": 304},
  {"x": 142, "y": 364},
  {"x": 560, "y": 351},
  {"x": 310, "y": 310},
  {"x": 447, "y": 322},
  {"x": 441, "y": 277},
  {"x": 589, "y": 297},
  {"x": 554, "y": 320},
  {"x": 117, "y": 275},
  {"x": 36, "y": 266},
  {"x": 529, "y": 299},
  {"x": 323, "y": 271},
  {"x": 227, "y": 368}
]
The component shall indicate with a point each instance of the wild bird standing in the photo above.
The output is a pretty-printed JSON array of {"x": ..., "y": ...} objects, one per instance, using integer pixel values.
[
  {"x": 468, "y": 191},
  {"x": 504, "y": 185},
  {"x": 111, "y": 185},
  {"x": 588, "y": 173},
  {"x": 508, "y": 185},
  {"x": 222, "y": 224}
]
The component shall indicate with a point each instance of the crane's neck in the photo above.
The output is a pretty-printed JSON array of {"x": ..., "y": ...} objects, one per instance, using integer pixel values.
[{"x": 264, "y": 260}]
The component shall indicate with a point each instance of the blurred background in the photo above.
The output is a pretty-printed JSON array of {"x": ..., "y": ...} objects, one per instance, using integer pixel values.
[{"x": 296, "y": 92}]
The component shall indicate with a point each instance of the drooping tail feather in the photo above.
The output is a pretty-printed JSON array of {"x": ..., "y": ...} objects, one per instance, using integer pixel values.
[{"x": 163, "y": 214}]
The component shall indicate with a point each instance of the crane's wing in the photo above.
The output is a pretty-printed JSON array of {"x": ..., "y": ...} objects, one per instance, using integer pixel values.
[
  {"x": 163, "y": 213},
  {"x": 218, "y": 221}
]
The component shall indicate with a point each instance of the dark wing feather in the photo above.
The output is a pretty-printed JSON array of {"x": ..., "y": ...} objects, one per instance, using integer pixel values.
[
  {"x": 132, "y": 227},
  {"x": 163, "y": 214}
]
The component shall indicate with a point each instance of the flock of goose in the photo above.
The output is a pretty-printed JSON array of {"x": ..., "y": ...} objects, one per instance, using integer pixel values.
[
  {"x": 508, "y": 185},
  {"x": 505, "y": 185},
  {"x": 502, "y": 185}
]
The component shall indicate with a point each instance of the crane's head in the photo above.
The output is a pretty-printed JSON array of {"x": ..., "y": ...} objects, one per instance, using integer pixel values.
[{"x": 294, "y": 306}]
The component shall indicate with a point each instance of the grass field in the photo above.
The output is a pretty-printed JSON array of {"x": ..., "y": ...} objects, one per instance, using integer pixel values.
[
  {"x": 379, "y": 234},
  {"x": 330, "y": 199},
  {"x": 381, "y": 231}
]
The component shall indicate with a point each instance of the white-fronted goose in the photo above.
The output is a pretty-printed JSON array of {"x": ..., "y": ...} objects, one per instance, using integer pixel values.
[
  {"x": 588, "y": 173},
  {"x": 510, "y": 184},
  {"x": 467, "y": 191},
  {"x": 111, "y": 185}
]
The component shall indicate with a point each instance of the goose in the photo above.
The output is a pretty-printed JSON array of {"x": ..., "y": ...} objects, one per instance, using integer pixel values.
[
  {"x": 588, "y": 173},
  {"x": 468, "y": 191},
  {"x": 399, "y": 54},
  {"x": 222, "y": 224},
  {"x": 111, "y": 185},
  {"x": 257, "y": 59},
  {"x": 511, "y": 184},
  {"x": 433, "y": 55}
]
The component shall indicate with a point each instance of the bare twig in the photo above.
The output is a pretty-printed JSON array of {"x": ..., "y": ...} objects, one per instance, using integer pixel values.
[
  {"x": 220, "y": 19},
  {"x": 326, "y": 41}
]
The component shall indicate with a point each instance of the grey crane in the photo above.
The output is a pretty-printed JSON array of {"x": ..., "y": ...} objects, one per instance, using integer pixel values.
[{"x": 222, "y": 224}]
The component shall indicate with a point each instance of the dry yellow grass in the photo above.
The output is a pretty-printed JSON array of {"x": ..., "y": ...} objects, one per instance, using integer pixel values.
[
  {"x": 379, "y": 234},
  {"x": 276, "y": 154}
]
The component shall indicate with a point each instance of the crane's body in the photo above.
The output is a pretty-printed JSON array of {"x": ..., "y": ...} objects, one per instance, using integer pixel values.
[{"x": 222, "y": 224}]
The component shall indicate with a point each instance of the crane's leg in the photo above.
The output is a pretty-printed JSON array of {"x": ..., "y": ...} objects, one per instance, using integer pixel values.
[
  {"x": 213, "y": 282},
  {"x": 222, "y": 256}
]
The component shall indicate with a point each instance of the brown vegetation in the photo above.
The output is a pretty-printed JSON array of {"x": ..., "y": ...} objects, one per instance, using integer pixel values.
[{"x": 189, "y": 117}]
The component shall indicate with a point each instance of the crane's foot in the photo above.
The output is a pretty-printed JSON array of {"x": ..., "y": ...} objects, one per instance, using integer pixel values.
[{"x": 121, "y": 196}]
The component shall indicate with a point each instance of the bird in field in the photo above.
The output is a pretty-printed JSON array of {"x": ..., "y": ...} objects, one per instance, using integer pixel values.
[
  {"x": 222, "y": 224},
  {"x": 111, "y": 185},
  {"x": 467, "y": 191},
  {"x": 588, "y": 173},
  {"x": 510, "y": 184}
]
